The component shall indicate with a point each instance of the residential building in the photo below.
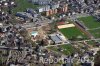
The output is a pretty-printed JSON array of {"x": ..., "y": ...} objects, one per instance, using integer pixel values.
[{"x": 41, "y": 2}]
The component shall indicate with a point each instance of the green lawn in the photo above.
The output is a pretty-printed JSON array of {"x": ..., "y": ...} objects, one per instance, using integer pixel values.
[
  {"x": 72, "y": 32},
  {"x": 3, "y": 58},
  {"x": 67, "y": 49},
  {"x": 22, "y": 5},
  {"x": 98, "y": 40},
  {"x": 90, "y": 22},
  {"x": 91, "y": 42},
  {"x": 95, "y": 33}
]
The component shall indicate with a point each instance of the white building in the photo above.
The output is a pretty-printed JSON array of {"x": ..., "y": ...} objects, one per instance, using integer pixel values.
[
  {"x": 54, "y": 6},
  {"x": 41, "y": 2},
  {"x": 44, "y": 8},
  {"x": 47, "y": 7}
]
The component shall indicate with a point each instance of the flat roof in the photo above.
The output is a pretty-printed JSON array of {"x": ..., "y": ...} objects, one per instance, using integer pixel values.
[{"x": 56, "y": 38}]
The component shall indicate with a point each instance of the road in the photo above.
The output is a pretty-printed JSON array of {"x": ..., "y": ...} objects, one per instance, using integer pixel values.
[
  {"x": 71, "y": 42},
  {"x": 15, "y": 48}
]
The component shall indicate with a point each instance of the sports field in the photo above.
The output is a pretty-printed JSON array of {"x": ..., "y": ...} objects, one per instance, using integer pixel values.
[
  {"x": 72, "y": 32},
  {"x": 95, "y": 33},
  {"x": 90, "y": 22},
  {"x": 22, "y": 5}
]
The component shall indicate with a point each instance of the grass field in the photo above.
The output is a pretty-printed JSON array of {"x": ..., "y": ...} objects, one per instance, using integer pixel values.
[
  {"x": 90, "y": 22},
  {"x": 22, "y": 5},
  {"x": 91, "y": 42},
  {"x": 67, "y": 49},
  {"x": 72, "y": 32},
  {"x": 95, "y": 33}
]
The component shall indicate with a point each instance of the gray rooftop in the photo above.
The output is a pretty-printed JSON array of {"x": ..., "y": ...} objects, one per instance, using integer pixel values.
[{"x": 56, "y": 38}]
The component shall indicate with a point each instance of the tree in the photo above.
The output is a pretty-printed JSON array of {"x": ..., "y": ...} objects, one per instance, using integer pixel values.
[
  {"x": 42, "y": 42},
  {"x": 97, "y": 59},
  {"x": 0, "y": 57}
]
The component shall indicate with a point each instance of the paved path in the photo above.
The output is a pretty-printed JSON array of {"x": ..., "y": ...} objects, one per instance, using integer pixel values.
[
  {"x": 87, "y": 40},
  {"x": 8, "y": 58},
  {"x": 55, "y": 45},
  {"x": 94, "y": 28}
]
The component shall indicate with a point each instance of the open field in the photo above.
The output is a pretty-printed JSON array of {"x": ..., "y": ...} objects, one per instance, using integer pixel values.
[
  {"x": 72, "y": 33},
  {"x": 95, "y": 33},
  {"x": 90, "y": 22},
  {"x": 91, "y": 43},
  {"x": 65, "y": 49},
  {"x": 23, "y": 5}
]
